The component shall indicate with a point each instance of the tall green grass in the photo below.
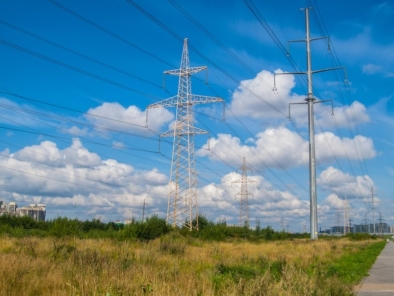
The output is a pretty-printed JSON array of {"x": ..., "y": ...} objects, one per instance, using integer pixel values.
[{"x": 181, "y": 265}]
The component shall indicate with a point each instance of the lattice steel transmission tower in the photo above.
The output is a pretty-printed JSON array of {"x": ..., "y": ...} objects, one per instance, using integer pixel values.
[
  {"x": 243, "y": 194},
  {"x": 182, "y": 198},
  {"x": 346, "y": 227}
]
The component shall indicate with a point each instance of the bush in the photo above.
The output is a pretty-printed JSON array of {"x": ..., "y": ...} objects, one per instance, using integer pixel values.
[
  {"x": 172, "y": 244},
  {"x": 152, "y": 228},
  {"x": 62, "y": 227},
  {"x": 360, "y": 236}
]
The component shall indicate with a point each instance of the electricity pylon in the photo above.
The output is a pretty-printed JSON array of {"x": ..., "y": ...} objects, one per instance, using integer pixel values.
[
  {"x": 243, "y": 196},
  {"x": 310, "y": 101},
  {"x": 345, "y": 217},
  {"x": 380, "y": 224},
  {"x": 182, "y": 208},
  {"x": 373, "y": 212}
]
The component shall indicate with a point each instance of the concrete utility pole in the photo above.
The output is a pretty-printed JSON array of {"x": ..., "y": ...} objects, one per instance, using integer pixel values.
[
  {"x": 182, "y": 198},
  {"x": 310, "y": 101},
  {"x": 243, "y": 196}
]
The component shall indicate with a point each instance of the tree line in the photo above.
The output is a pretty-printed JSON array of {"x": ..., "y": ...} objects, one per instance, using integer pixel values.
[{"x": 153, "y": 227}]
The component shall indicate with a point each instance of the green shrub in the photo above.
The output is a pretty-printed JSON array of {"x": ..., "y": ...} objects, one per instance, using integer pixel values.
[
  {"x": 152, "y": 228},
  {"x": 63, "y": 227}
]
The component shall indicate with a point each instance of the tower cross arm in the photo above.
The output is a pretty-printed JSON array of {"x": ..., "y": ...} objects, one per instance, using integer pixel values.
[
  {"x": 170, "y": 102},
  {"x": 244, "y": 180},
  {"x": 244, "y": 193},
  {"x": 180, "y": 130},
  {"x": 327, "y": 69},
  {"x": 290, "y": 73},
  {"x": 186, "y": 71},
  {"x": 311, "y": 39},
  {"x": 197, "y": 99}
]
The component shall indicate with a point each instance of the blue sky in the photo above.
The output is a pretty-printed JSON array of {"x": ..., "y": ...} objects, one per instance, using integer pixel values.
[{"x": 77, "y": 77}]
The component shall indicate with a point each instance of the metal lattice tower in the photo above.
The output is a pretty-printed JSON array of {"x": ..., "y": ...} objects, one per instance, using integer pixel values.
[
  {"x": 182, "y": 208},
  {"x": 373, "y": 212},
  {"x": 243, "y": 194},
  {"x": 345, "y": 217}
]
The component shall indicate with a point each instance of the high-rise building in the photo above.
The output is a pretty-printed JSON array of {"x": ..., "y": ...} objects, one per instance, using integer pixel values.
[
  {"x": 36, "y": 211},
  {"x": 11, "y": 208},
  {"x": 3, "y": 208},
  {"x": 369, "y": 228}
]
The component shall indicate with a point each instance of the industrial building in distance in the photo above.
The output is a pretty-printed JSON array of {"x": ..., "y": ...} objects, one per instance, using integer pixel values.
[
  {"x": 380, "y": 228},
  {"x": 35, "y": 211}
]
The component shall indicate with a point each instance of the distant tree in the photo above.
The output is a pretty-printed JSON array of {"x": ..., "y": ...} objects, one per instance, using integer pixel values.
[{"x": 61, "y": 227}]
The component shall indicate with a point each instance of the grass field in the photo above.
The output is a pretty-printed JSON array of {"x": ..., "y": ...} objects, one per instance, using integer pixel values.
[{"x": 175, "y": 265}]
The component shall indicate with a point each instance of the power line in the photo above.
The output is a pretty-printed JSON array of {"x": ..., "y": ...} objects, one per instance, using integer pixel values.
[
  {"x": 261, "y": 19},
  {"x": 78, "y": 54},
  {"x": 68, "y": 109},
  {"x": 280, "y": 46},
  {"x": 110, "y": 33},
  {"x": 171, "y": 32},
  {"x": 76, "y": 69}
]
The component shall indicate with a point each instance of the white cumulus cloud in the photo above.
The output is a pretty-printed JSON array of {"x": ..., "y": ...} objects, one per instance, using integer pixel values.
[
  {"x": 344, "y": 184},
  {"x": 127, "y": 118},
  {"x": 371, "y": 69},
  {"x": 45, "y": 173},
  {"x": 255, "y": 97},
  {"x": 344, "y": 116},
  {"x": 281, "y": 147}
]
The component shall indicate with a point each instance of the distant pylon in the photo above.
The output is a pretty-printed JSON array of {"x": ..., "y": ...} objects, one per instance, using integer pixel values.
[
  {"x": 345, "y": 217},
  {"x": 243, "y": 194},
  {"x": 182, "y": 198}
]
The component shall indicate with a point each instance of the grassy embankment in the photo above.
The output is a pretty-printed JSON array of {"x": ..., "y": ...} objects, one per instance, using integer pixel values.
[{"x": 178, "y": 265}]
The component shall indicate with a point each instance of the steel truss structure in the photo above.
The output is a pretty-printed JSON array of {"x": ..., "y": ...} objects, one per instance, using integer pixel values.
[
  {"x": 243, "y": 196},
  {"x": 182, "y": 208}
]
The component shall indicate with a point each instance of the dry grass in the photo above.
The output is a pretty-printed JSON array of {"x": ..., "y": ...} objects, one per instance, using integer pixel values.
[{"x": 169, "y": 266}]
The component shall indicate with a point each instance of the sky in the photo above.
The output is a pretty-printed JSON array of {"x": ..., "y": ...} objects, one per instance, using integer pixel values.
[{"x": 77, "y": 78}]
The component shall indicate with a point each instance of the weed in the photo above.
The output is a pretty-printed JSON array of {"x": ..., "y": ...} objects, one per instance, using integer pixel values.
[
  {"x": 172, "y": 247},
  {"x": 237, "y": 272},
  {"x": 277, "y": 267},
  {"x": 173, "y": 266}
]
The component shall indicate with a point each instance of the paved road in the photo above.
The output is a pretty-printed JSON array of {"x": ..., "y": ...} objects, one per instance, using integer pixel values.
[{"x": 380, "y": 281}]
